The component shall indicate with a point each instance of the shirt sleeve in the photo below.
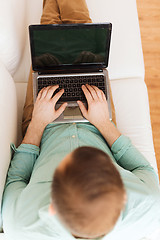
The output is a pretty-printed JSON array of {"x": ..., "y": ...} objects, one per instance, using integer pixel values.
[
  {"x": 128, "y": 157},
  {"x": 20, "y": 171},
  {"x": 22, "y": 163},
  {"x": 18, "y": 177}
]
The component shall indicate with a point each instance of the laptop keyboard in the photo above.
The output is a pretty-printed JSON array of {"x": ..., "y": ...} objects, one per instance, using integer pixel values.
[{"x": 72, "y": 85}]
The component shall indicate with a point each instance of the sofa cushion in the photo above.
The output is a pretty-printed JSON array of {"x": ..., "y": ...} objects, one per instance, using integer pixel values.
[
  {"x": 126, "y": 57},
  {"x": 133, "y": 116},
  {"x": 8, "y": 123},
  {"x": 12, "y": 18}
]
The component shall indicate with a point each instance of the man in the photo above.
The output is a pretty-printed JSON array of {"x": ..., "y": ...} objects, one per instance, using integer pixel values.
[{"x": 82, "y": 180}]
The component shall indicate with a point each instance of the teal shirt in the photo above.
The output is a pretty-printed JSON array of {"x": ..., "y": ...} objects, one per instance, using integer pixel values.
[{"x": 27, "y": 192}]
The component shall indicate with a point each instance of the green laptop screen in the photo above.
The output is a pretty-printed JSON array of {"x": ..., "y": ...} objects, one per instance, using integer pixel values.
[{"x": 70, "y": 46}]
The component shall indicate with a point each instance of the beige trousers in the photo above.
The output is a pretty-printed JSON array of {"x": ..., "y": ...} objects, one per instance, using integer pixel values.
[{"x": 57, "y": 12}]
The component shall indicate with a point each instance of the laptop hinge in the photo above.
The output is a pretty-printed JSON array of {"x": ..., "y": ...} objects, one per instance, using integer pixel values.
[{"x": 67, "y": 71}]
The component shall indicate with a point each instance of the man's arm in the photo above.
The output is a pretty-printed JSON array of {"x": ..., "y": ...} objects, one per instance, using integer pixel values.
[
  {"x": 128, "y": 157},
  {"x": 43, "y": 113},
  {"x": 124, "y": 152},
  {"x": 98, "y": 113},
  {"x": 27, "y": 153}
]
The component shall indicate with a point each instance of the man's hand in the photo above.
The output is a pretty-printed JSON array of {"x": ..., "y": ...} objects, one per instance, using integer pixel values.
[
  {"x": 98, "y": 113},
  {"x": 43, "y": 113},
  {"x": 44, "y": 109}
]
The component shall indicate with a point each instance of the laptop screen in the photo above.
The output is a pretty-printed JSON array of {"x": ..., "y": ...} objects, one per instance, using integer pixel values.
[{"x": 69, "y": 46}]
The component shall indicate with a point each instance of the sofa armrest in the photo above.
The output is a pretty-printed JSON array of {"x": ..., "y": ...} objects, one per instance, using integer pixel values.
[
  {"x": 126, "y": 57},
  {"x": 8, "y": 122},
  {"x": 133, "y": 115}
]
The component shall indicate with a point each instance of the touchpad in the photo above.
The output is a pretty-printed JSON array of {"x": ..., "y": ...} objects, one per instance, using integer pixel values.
[{"x": 72, "y": 113}]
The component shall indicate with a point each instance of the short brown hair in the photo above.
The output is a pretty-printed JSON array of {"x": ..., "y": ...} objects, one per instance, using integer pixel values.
[{"x": 88, "y": 194}]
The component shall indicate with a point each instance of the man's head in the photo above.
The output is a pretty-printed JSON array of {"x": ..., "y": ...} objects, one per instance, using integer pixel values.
[{"x": 87, "y": 192}]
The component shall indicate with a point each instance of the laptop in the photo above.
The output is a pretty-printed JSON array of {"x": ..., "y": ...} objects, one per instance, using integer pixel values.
[{"x": 71, "y": 55}]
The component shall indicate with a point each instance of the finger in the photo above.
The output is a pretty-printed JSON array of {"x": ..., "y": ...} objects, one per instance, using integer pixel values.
[
  {"x": 103, "y": 95},
  {"x": 57, "y": 96},
  {"x": 82, "y": 108},
  {"x": 51, "y": 90},
  {"x": 92, "y": 91},
  {"x": 39, "y": 94},
  {"x": 42, "y": 93},
  {"x": 98, "y": 91},
  {"x": 87, "y": 94},
  {"x": 61, "y": 109}
]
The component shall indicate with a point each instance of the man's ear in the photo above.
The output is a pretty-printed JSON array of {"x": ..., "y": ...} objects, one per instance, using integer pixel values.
[{"x": 51, "y": 209}]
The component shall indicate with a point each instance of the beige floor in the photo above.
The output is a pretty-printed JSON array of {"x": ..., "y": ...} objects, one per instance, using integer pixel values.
[{"x": 149, "y": 17}]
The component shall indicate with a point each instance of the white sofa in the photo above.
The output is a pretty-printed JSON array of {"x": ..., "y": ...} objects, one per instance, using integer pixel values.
[{"x": 126, "y": 71}]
